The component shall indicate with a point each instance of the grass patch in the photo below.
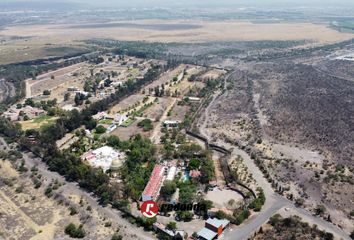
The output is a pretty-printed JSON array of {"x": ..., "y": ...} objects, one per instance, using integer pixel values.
[
  {"x": 42, "y": 118},
  {"x": 106, "y": 121},
  {"x": 129, "y": 122},
  {"x": 38, "y": 122}
]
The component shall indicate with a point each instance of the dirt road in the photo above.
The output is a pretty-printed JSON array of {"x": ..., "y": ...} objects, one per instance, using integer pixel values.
[
  {"x": 274, "y": 202},
  {"x": 6, "y": 90},
  {"x": 155, "y": 136},
  {"x": 71, "y": 188}
]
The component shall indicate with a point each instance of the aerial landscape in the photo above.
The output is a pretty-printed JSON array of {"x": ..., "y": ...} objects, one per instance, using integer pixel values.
[{"x": 161, "y": 119}]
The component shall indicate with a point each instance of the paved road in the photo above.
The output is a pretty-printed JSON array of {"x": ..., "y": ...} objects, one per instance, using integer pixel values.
[{"x": 274, "y": 202}]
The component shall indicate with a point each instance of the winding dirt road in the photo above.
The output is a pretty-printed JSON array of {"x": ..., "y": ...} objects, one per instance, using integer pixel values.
[{"x": 274, "y": 202}]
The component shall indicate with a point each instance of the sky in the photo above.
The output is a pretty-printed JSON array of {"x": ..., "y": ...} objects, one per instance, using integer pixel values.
[{"x": 193, "y": 3}]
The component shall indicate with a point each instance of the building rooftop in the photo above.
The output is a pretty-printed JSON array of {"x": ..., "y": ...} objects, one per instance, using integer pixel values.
[
  {"x": 154, "y": 182},
  {"x": 171, "y": 173},
  {"x": 207, "y": 234},
  {"x": 195, "y": 173},
  {"x": 217, "y": 222},
  {"x": 102, "y": 157}
]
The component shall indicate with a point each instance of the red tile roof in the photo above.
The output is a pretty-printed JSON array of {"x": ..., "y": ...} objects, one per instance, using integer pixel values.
[{"x": 155, "y": 181}]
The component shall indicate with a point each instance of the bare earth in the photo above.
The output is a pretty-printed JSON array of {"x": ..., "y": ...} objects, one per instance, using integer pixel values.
[{"x": 206, "y": 31}]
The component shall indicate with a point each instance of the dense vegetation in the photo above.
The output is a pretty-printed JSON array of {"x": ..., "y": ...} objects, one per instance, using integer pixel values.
[{"x": 43, "y": 142}]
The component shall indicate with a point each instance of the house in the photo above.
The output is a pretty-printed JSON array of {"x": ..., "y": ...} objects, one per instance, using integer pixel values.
[
  {"x": 195, "y": 173},
  {"x": 103, "y": 157},
  {"x": 120, "y": 119},
  {"x": 171, "y": 173},
  {"x": 82, "y": 93},
  {"x": 171, "y": 124},
  {"x": 100, "y": 116},
  {"x": 111, "y": 128},
  {"x": 213, "y": 228},
  {"x": 152, "y": 188}
]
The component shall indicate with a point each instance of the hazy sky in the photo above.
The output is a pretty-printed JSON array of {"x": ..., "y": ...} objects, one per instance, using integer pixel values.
[{"x": 200, "y": 3}]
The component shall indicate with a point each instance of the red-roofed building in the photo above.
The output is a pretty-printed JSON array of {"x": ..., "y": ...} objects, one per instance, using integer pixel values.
[
  {"x": 153, "y": 187},
  {"x": 195, "y": 173}
]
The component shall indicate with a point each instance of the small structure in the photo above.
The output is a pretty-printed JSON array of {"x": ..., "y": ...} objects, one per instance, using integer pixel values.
[
  {"x": 178, "y": 234},
  {"x": 194, "y": 99},
  {"x": 100, "y": 116},
  {"x": 73, "y": 89},
  {"x": 171, "y": 124},
  {"x": 152, "y": 189},
  {"x": 111, "y": 128},
  {"x": 171, "y": 173},
  {"x": 117, "y": 83},
  {"x": 83, "y": 93},
  {"x": 120, "y": 119},
  {"x": 195, "y": 174},
  {"x": 213, "y": 228},
  {"x": 103, "y": 157}
]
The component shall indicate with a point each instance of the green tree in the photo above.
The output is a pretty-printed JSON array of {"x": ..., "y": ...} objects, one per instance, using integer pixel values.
[
  {"x": 100, "y": 129},
  {"x": 194, "y": 163},
  {"x": 168, "y": 188},
  {"x": 116, "y": 236},
  {"x": 146, "y": 124},
  {"x": 172, "y": 226},
  {"x": 320, "y": 209},
  {"x": 46, "y": 92}
]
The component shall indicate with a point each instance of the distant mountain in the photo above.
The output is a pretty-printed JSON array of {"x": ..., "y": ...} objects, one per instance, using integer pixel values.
[{"x": 39, "y": 6}]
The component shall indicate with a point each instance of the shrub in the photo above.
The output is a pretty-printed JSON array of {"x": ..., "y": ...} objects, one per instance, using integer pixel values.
[
  {"x": 75, "y": 232},
  {"x": 100, "y": 129},
  {"x": 46, "y": 92}
]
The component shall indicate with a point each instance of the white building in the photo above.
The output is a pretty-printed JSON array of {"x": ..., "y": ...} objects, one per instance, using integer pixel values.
[
  {"x": 194, "y": 99},
  {"x": 171, "y": 124},
  {"x": 103, "y": 157},
  {"x": 171, "y": 173},
  {"x": 120, "y": 119},
  {"x": 111, "y": 128},
  {"x": 100, "y": 116}
]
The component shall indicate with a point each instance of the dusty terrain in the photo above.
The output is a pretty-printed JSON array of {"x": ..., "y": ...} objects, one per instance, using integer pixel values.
[
  {"x": 191, "y": 31},
  {"x": 298, "y": 120},
  {"x": 43, "y": 41}
]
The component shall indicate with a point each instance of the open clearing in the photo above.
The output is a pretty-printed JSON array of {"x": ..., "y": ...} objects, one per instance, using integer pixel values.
[
  {"x": 37, "y": 122},
  {"x": 59, "y": 40},
  {"x": 206, "y": 31}
]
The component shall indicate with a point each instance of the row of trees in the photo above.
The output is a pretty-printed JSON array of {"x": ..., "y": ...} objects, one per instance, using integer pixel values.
[{"x": 43, "y": 142}]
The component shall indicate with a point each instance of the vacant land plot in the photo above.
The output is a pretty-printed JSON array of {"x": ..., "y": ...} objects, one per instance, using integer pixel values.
[
  {"x": 124, "y": 133},
  {"x": 220, "y": 198},
  {"x": 213, "y": 74},
  {"x": 156, "y": 111},
  {"x": 178, "y": 113},
  {"x": 51, "y": 80},
  {"x": 129, "y": 103},
  {"x": 26, "y": 212}
]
